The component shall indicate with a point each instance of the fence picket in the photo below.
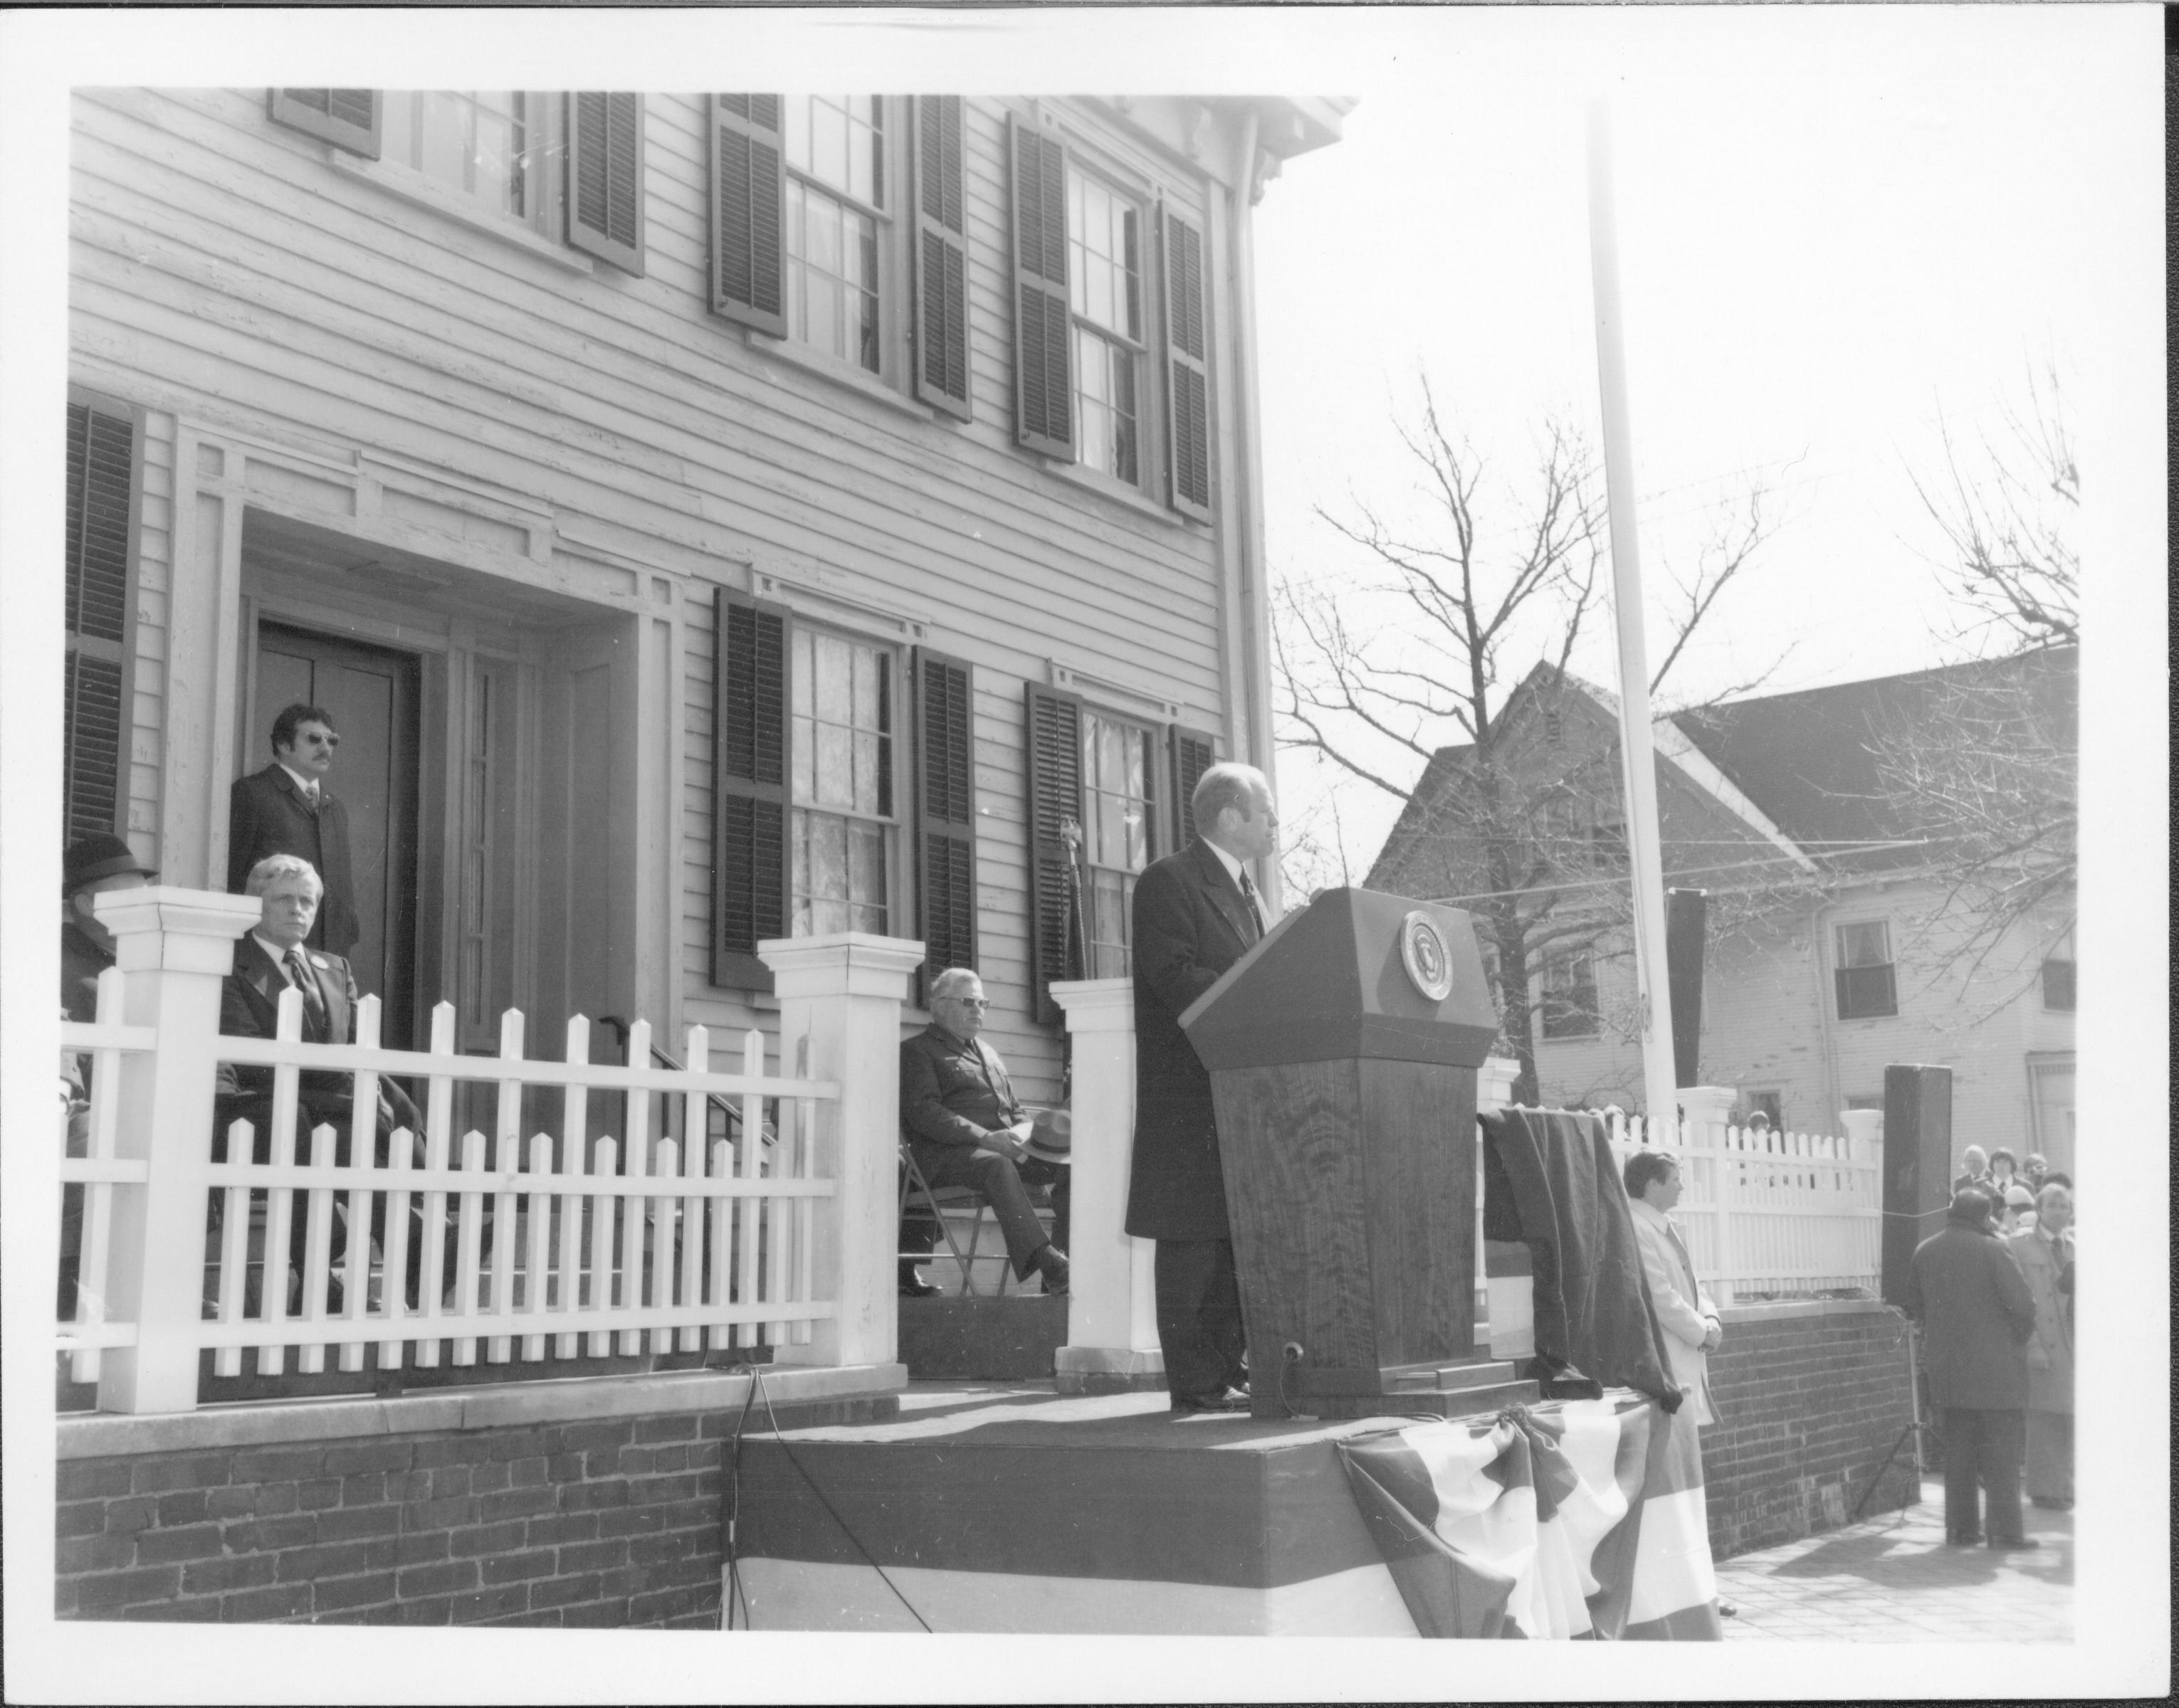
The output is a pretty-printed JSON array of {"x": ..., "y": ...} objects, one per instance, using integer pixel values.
[
  {"x": 747, "y": 1165},
  {"x": 629, "y": 1210},
  {"x": 393, "y": 1270},
  {"x": 468, "y": 1260},
  {"x": 688, "y": 1253},
  {"x": 574, "y": 1119},
  {"x": 806, "y": 1216}
]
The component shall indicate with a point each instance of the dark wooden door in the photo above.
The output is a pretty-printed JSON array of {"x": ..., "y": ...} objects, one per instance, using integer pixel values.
[{"x": 371, "y": 693}]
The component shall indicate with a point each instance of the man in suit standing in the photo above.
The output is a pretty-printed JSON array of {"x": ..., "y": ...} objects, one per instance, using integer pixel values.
[
  {"x": 287, "y": 810},
  {"x": 1692, "y": 1326},
  {"x": 268, "y": 961},
  {"x": 2045, "y": 1252},
  {"x": 1967, "y": 1292},
  {"x": 1195, "y": 913}
]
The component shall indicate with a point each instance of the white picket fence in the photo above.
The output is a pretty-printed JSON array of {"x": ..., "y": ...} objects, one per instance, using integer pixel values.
[
  {"x": 595, "y": 1244},
  {"x": 1767, "y": 1212}
]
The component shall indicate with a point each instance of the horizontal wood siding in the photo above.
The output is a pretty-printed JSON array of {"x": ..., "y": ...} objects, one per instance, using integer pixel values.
[{"x": 223, "y": 269}]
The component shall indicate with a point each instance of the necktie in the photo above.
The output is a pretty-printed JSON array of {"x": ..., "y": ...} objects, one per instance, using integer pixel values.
[
  {"x": 1249, "y": 894},
  {"x": 310, "y": 800},
  {"x": 300, "y": 976}
]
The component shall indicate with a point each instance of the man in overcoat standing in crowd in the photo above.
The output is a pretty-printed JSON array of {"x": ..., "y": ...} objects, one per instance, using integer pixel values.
[
  {"x": 2044, "y": 1251},
  {"x": 1977, "y": 1314},
  {"x": 1196, "y": 912},
  {"x": 285, "y": 808}
]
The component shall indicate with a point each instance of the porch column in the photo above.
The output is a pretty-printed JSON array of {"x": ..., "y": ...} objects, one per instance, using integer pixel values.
[
  {"x": 1864, "y": 1137},
  {"x": 173, "y": 947},
  {"x": 1111, "y": 1312},
  {"x": 1505, "y": 1281},
  {"x": 842, "y": 992},
  {"x": 1706, "y": 1114}
]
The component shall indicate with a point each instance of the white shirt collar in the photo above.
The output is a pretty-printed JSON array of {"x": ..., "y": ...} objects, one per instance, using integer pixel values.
[
  {"x": 308, "y": 785},
  {"x": 1643, "y": 1206},
  {"x": 1231, "y": 865},
  {"x": 273, "y": 950}
]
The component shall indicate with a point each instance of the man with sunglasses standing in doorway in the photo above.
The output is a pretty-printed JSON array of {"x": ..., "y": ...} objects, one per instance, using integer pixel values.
[{"x": 285, "y": 808}]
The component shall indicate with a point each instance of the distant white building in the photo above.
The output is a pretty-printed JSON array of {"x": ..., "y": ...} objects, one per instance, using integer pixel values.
[{"x": 1834, "y": 951}]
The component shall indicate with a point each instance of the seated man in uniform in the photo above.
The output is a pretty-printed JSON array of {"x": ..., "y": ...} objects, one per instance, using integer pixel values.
[
  {"x": 266, "y": 961},
  {"x": 965, "y": 1127}
]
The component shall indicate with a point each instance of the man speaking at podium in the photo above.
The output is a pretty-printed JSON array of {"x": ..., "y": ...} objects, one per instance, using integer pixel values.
[{"x": 1196, "y": 912}]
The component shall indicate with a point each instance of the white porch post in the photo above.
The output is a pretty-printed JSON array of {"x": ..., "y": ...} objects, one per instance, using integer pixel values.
[
  {"x": 1707, "y": 1114},
  {"x": 1506, "y": 1306},
  {"x": 842, "y": 992},
  {"x": 173, "y": 947},
  {"x": 1864, "y": 1136},
  {"x": 1112, "y": 1313}
]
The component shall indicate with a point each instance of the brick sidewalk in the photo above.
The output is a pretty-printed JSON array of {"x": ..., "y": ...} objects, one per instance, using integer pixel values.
[{"x": 1891, "y": 1579}]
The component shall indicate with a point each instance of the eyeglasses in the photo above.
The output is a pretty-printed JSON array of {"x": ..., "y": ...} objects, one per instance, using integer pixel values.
[
  {"x": 320, "y": 741},
  {"x": 968, "y": 1001}
]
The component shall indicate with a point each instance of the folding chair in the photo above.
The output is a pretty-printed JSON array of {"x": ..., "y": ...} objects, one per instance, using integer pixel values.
[{"x": 930, "y": 1204}]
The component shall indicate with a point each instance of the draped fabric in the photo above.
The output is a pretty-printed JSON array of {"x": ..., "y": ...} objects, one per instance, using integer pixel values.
[
  {"x": 1549, "y": 1181},
  {"x": 1582, "y": 1518}
]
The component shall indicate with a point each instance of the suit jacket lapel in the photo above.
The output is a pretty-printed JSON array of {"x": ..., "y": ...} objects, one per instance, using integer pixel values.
[{"x": 1224, "y": 894}]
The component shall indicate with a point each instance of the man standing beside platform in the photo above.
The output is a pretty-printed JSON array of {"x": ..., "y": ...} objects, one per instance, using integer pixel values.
[{"x": 1196, "y": 912}]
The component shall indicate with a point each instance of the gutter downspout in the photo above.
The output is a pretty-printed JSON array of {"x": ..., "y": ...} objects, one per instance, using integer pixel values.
[{"x": 1249, "y": 559}]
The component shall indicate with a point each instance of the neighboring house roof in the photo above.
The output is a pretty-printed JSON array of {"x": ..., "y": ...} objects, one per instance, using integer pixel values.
[{"x": 1809, "y": 760}]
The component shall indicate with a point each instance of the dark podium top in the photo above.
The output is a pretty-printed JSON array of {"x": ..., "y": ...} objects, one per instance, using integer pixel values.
[{"x": 1330, "y": 983}]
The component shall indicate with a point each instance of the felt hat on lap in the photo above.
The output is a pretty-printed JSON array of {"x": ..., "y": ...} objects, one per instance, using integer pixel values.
[{"x": 1052, "y": 1137}]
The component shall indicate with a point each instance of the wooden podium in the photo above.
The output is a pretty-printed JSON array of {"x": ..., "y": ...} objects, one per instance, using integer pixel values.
[{"x": 1343, "y": 1051}]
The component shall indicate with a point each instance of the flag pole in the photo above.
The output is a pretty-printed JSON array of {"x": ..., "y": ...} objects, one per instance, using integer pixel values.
[{"x": 1638, "y": 767}]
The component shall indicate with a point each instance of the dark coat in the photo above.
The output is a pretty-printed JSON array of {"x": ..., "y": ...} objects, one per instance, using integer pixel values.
[
  {"x": 267, "y": 814},
  {"x": 952, "y": 1093},
  {"x": 248, "y": 1007},
  {"x": 1977, "y": 1314},
  {"x": 81, "y": 962},
  {"x": 1190, "y": 923}
]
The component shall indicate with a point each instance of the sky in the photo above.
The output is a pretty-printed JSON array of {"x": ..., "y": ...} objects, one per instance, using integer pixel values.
[
  {"x": 1835, "y": 221},
  {"x": 1838, "y": 230}
]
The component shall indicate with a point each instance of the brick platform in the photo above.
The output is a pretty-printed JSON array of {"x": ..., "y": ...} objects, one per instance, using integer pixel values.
[
  {"x": 578, "y": 1521},
  {"x": 1811, "y": 1397}
]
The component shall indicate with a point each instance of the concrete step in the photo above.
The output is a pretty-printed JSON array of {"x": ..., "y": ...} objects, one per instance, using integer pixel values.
[{"x": 981, "y": 1338}]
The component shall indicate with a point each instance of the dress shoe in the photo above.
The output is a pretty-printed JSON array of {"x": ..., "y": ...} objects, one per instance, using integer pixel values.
[
  {"x": 1728, "y": 1610},
  {"x": 2013, "y": 1544},
  {"x": 913, "y": 1286},
  {"x": 1226, "y": 1400},
  {"x": 1051, "y": 1263}
]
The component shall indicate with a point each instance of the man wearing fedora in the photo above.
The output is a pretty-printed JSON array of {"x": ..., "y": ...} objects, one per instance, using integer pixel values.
[
  {"x": 965, "y": 1127},
  {"x": 92, "y": 866}
]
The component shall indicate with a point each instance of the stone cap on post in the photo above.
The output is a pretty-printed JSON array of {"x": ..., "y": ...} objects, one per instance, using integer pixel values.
[
  {"x": 1096, "y": 1004},
  {"x": 162, "y": 927},
  {"x": 840, "y": 963}
]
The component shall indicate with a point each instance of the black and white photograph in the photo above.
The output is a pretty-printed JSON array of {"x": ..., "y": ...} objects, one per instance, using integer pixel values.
[{"x": 1339, "y": 824}]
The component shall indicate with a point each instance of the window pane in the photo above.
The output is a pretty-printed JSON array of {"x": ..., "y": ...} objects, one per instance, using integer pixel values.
[
  {"x": 835, "y": 777},
  {"x": 866, "y": 771}
]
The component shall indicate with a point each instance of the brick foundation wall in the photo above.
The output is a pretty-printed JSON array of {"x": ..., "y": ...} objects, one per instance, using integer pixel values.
[
  {"x": 612, "y": 1521},
  {"x": 1810, "y": 1399}
]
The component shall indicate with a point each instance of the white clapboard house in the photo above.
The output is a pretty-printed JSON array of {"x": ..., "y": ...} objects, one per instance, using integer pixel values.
[{"x": 709, "y": 518}]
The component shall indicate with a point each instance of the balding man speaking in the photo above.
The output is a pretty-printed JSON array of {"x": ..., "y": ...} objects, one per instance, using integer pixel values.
[{"x": 1196, "y": 912}]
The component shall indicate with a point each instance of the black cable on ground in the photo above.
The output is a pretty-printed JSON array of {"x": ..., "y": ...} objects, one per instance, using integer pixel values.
[{"x": 731, "y": 1539}]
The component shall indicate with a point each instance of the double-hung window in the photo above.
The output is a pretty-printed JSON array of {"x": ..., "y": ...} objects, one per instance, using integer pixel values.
[
  {"x": 1569, "y": 996},
  {"x": 842, "y": 829},
  {"x": 2058, "y": 973},
  {"x": 565, "y": 167},
  {"x": 1105, "y": 298},
  {"x": 1119, "y": 824},
  {"x": 1864, "y": 984},
  {"x": 843, "y": 791},
  {"x": 1112, "y": 346},
  {"x": 836, "y": 212}
]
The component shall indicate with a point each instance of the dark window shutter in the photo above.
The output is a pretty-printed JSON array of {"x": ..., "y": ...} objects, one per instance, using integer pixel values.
[
  {"x": 347, "y": 119},
  {"x": 941, "y": 256},
  {"x": 749, "y": 734},
  {"x": 749, "y": 202},
  {"x": 1193, "y": 753},
  {"x": 1188, "y": 390},
  {"x": 605, "y": 178},
  {"x": 1044, "y": 384},
  {"x": 1055, "y": 795},
  {"x": 102, "y": 468},
  {"x": 946, "y": 809}
]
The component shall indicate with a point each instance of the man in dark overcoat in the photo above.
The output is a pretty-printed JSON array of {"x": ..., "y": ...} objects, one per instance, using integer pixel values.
[
  {"x": 1195, "y": 913},
  {"x": 285, "y": 808},
  {"x": 1977, "y": 1315}
]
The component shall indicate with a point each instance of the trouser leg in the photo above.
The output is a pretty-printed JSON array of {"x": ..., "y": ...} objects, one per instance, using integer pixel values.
[
  {"x": 996, "y": 1177},
  {"x": 2004, "y": 1436},
  {"x": 1060, "y": 1179},
  {"x": 1962, "y": 1475},
  {"x": 1199, "y": 1315}
]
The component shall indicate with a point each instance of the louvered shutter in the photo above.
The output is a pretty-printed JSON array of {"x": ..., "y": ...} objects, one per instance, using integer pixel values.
[
  {"x": 945, "y": 815},
  {"x": 1193, "y": 753},
  {"x": 102, "y": 466},
  {"x": 605, "y": 178},
  {"x": 347, "y": 119},
  {"x": 941, "y": 256},
  {"x": 1055, "y": 795},
  {"x": 749, "y": 202},
  {"x": 1188, "y": 372},
  {"x": 750, "y": 803},
  {"x": 1043, "y": 386}
]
